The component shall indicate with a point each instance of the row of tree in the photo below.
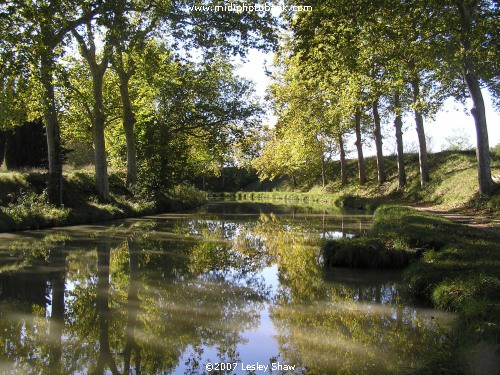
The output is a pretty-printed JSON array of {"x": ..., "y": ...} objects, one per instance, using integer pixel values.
[
  {"x": 344, "y": 65},
  {"x": 160, "y": 67}
]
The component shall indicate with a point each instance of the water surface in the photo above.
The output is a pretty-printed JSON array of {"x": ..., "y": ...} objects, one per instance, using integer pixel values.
[{"x": 237, "y": 284}]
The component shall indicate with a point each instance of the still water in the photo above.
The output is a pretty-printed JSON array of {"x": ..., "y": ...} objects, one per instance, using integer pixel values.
[{"x": 235, "y": 287}]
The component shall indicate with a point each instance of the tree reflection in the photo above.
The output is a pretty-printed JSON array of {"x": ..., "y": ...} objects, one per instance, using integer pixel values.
[
  {"x": 57, "y": 260},
  {"x": 294, "y": 248},
  {"x": 131, "y": 344},
  {"x": 145, "y": 300},
  {"x": 105, "y": 357},
  {"x": 341, "y": 322},
  {"x": 354, "y": 338}
]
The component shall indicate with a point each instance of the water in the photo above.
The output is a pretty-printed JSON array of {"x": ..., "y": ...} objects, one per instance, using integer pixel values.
[{"x": 235, "y": 287}]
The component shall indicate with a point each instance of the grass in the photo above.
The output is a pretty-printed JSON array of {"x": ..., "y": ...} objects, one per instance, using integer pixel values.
[
  {"x": 452, "y": 185},
  {"x": 24, "y": 200},
  {"x": 365, "y": 252},
  {"x": 457, "y": 268}
]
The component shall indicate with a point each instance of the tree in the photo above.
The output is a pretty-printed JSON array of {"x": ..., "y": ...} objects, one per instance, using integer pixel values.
[
  {"x": 97, "y": 71},
  {"x": 200, "y": 110},
  {"x": 40, "y": 29},
  {"x": 398, "y": 125},
  {"x": 458, "y": 141},
  {"x": 380, "y": 48},
  {"x": 210, "y": 32},
  {"x": 478, "y": 33}
]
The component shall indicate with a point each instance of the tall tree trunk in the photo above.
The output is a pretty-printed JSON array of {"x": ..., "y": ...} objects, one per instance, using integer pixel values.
[
  {"x": 398, "y": 124},
  {"x": 359, "y": 147},
  {"x": 323, "y": 171},
  {"x": 97, "y": 71},
  {"x": 419, "y": 123},
  {"x": 343, "y": 163},
  {"x": 101, "y": 165},
  {"x": 55, "y": 181},
  {"x": 129, "y": 120},
  {"x": 378, "y": 143},
  {"x": 486, "y": 184},
  {"x": 3, "y": 141}
]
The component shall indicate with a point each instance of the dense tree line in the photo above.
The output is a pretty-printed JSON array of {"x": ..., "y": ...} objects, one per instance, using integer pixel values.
[
  {"x": 160, "y": 68},
  {"x": 346, "y": 65}
]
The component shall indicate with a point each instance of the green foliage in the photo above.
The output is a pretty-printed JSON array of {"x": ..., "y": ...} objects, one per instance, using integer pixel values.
[
  {"x": 366, "y": 252},
  {"x": 201, "y": 110},
  {"x": 462, "y": 275},
  {"x": 162, "y": 157},
  {"x": 477, "y": 294},
  {"x": 25, "y": 205},
  {"x": 30, "y": 211}
]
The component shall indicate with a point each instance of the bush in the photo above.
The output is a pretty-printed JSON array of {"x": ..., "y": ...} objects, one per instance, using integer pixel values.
[{"x": 365, "y": 252}]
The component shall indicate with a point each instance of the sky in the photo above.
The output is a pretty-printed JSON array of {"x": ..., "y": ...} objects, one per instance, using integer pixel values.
[{"x": 451, "y": 120}]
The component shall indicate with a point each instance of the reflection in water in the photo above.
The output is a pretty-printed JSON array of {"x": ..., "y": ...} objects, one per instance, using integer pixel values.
[
  {"x": 104, "y": 359},
  {"x": 232, "y": 283},
  {"x": 133, "y": 306}
]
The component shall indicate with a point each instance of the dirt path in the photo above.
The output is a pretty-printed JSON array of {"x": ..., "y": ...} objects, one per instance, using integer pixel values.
[{"x": 482, "y": 221}]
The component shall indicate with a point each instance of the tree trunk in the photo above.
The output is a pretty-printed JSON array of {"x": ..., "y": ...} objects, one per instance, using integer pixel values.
[
  {"x": 398, "y": 124},
  {"x": 128, "y": 124},
  {"x": 55, "y": 181},
  {"x": 359, "y": 147},
  {"x": 343, "y": 163},
  {"x": 3, "y": 141},
  {"x": 419, "y": 122},
  {"x": 323, "y": 172},
  {"x": 486, "y": 184},
  {"x": 378, "y": 143},
  {"x": 101, "y": 166},
  {"x": 97, "y": 71}
]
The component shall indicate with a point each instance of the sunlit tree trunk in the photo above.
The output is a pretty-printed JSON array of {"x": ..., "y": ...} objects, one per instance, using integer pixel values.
[
  {"x": 323, "y": 171},
  {"x": 359, "y": 147},
  {"x": 97, "y": 71},
  {"x": 343, "y": 162},
  {"x": 55, "y": 181},
  {"x": 3, "y": 139},
  {"x": 101, "y": 165},
  {"x": 129, "y": 120},
  {"x": 398, "y": 124},
  {"x": 378, "y": 143},
  {"x": 486, "y": 184},
  {"x": 419, "y": 123}
]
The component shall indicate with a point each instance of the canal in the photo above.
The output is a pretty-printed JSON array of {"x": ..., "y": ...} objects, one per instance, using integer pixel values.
[{"x": 232, "y": 288}]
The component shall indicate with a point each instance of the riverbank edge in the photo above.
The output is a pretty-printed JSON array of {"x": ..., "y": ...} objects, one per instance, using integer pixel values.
[
  {"x": 368, "y": 204},
  {"x": 24, "y": 207},
  {"x": 454, "y": 267}
]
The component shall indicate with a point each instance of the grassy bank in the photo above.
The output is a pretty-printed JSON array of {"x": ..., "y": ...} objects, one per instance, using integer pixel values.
[
  {"x": 453, "y": 185},
  {"x": 23, "y": 203},
  {"x": 455, "y": 267}
]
